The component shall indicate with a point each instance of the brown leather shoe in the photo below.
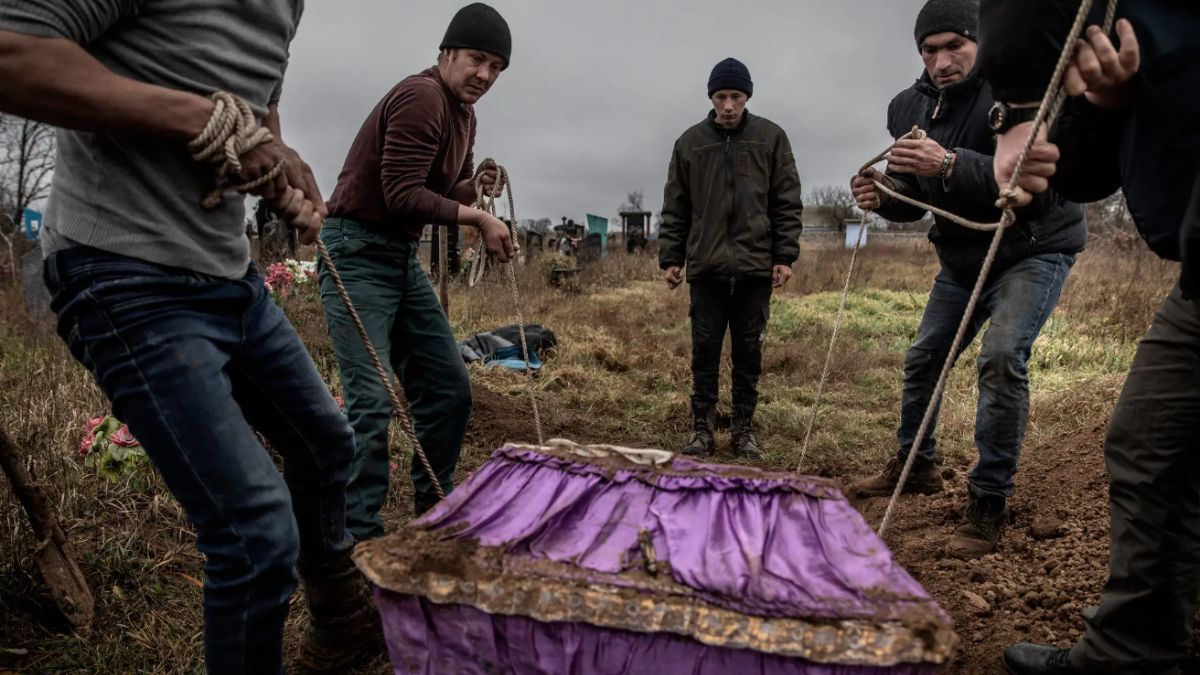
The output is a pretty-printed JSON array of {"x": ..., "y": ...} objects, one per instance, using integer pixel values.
[
  {"x": 978, "y": 536},
  {"x": 923, "y": 479}
]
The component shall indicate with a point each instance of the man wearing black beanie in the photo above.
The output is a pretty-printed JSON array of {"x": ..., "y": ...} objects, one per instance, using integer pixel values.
[
  {"x": 731, "y": 216},
  {"x": 952, "y": 169},
  {"x": 411, "y": 164}
]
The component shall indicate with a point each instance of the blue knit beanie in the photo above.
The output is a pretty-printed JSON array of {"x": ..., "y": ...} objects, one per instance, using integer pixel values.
[{"x": 730, "y": 74}]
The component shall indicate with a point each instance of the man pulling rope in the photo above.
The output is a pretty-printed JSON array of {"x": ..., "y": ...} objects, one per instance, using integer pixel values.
[
  {"x": 157, "y": 297},
  {"x": 412, "y": 163},
  {"x": 944, "y": 166}
]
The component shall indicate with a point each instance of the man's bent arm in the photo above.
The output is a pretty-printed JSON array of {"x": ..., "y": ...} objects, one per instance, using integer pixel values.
[{"x": 54, "y": 80}]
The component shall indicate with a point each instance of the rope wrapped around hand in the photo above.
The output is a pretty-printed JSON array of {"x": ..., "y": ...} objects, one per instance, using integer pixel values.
[{"x": 231, "y": 132}]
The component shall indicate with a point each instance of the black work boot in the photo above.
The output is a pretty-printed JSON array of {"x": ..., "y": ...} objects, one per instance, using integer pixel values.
[
  {"x": 1027, "y": 659},
  {"x": 923, "y": 479},
  {"x": 343, "y": 626},
  {"x": 741, "y": 432},
  {"x": 701, "y": 442},
  {"x": 978, "y": 536}
]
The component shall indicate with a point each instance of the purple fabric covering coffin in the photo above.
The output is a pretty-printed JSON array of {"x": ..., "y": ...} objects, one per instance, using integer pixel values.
[{"x": 580, "y": 560}]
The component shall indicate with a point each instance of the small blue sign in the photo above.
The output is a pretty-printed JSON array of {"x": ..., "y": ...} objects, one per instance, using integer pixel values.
[{"x": 33, "y": 224}]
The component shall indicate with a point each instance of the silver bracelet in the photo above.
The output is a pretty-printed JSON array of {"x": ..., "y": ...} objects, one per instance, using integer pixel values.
[{"x": 946, "y": 162}]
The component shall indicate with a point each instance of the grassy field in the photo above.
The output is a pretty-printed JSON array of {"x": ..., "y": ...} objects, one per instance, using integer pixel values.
[{"x": 621, "y": 374}]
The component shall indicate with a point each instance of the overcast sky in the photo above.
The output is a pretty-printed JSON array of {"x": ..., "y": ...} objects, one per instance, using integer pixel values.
[{"x": 597, "y": 92}]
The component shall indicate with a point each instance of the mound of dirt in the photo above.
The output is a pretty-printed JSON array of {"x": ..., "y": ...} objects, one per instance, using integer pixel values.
[
  {"x": 498, "y": 417},
  {"x": 1051, "y": 564}
]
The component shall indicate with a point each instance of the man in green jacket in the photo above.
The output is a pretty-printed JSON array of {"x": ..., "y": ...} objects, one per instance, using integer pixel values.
[{"x": 731, "y": 216}]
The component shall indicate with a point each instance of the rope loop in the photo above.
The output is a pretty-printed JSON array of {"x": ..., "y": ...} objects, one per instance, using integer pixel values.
[{"x": 231, "y": 132}]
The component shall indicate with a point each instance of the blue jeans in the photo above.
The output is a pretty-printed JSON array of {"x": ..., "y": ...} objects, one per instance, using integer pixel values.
[
  {"x": 412, "y": 335},
  {"x": 1018, "y": 301},
  {"x": 194, "y": 364}
]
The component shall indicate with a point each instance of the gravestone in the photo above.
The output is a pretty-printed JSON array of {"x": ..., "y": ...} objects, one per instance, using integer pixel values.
[{"x": 33, "y": 287}]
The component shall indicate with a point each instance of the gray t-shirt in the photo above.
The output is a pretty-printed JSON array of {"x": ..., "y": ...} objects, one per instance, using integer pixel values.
[{"x": 140, "y": 196}]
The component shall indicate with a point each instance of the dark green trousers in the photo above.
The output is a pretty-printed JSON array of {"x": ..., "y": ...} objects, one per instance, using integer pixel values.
[
  {"x": 1144, "y": 621},
  {"x": 410, "y": 332}
]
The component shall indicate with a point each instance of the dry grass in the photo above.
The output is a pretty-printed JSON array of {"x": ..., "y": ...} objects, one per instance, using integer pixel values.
[{"x": 620, "y": 374}]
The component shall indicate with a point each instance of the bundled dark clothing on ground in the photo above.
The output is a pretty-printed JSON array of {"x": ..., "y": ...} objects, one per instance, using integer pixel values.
[{"x": 1151, "y": 149}]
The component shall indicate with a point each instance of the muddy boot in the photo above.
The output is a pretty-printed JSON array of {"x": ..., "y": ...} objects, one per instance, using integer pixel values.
[
  {"x": 701, "y": 442},
  {"x": 741, "y": 432},
  {"x": 978, "y": 536},
  {"x": 343, "y": 626},
  {"x": 422, "y": 502},
  {"x": 923, "y": 479}
]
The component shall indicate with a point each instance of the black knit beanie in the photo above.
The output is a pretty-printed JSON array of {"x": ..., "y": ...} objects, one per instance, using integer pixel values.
[
  {"x": 478, "y": 26},
  {"x": 948, "y": 16},
  {"x": 730, "y": 74}
]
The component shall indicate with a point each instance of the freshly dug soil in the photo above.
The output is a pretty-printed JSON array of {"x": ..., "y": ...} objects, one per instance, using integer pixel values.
[{"x": 1051, "y": 564}]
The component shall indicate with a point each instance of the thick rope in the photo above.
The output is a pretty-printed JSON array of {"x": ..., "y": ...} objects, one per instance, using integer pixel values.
[
  {"x": 920, "y": 135},
  {"x": 231, "y": 132},
  {"x": 1047, "y": 113},
  {"x": 396, "y": 394},
  {"x": 487, "y": 203}
]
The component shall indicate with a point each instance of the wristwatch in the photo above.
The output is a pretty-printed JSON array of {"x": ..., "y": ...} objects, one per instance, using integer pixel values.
[{"x": 1004, "y": 116}]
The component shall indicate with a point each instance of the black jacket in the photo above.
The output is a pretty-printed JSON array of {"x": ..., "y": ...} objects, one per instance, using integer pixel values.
[
  {"x": 956, "y": 117},
  {"x": 731, "y": 206},
  {"x": 1152, "y": 148}
]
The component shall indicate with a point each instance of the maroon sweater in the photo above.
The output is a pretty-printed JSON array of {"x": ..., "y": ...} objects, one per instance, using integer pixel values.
[{"x": 413, "y": 148}]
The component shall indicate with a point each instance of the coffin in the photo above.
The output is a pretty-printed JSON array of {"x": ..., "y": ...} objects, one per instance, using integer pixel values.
[{"x": 605, "y": 560}]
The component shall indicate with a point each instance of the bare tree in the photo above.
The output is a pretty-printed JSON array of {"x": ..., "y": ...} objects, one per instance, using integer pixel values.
[
  {"x": 26, "y": 166},
  {"x": 837, "y": 201},
  {"x": 633, "y": 202}
]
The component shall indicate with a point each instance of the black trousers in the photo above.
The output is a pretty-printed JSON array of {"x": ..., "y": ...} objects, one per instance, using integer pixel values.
[
  {"x": 742, "y": 308},
  {"x": 1145, "y": 618}
]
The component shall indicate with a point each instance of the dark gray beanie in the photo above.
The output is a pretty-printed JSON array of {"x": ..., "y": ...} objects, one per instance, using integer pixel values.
[
  {"x": 478, "y": 26},
  {"x": 948, "y": 16},
  {"x": 730, "y": 74}
]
